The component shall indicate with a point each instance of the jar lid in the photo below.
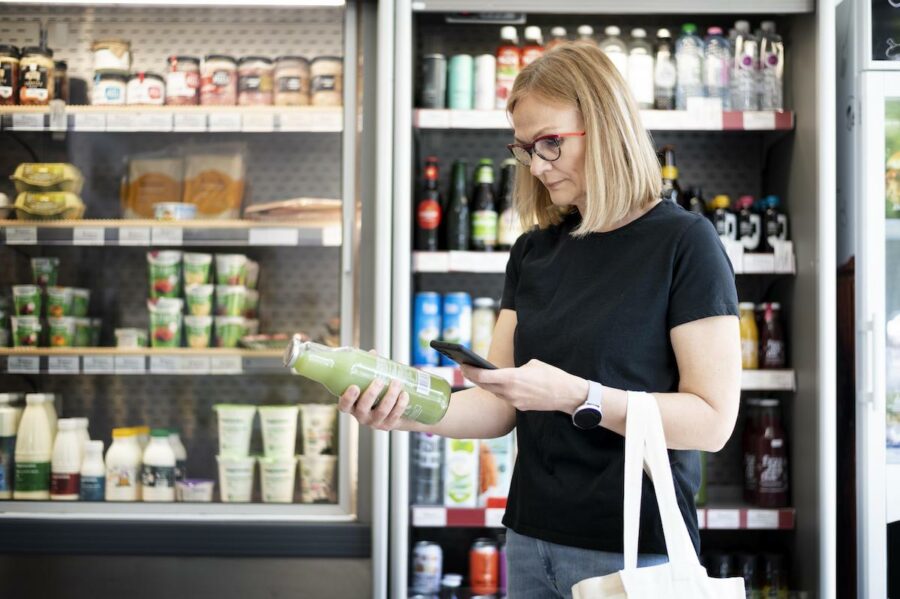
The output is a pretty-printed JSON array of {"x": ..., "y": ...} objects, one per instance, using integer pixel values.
[
  {"x": 37, "y": 50},
  {"x": 112, "y": 43},
  {"x": 9, "y": 50},
  {"x": 220, "y": 57},
  {"x": 264, "y": 59},
  {"x": 291, "y": 57},
  {"x": 191, "y": 59},
  {"x": 327, "y": 58},
  {"x": 61, "y": 65},
  {"x": 111, "y": 76},
  {"x": 140, "y": 75}
]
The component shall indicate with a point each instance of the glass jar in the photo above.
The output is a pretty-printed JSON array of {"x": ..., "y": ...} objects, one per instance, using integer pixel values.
[
  {"x": 147, "y": 89},
  {"x": 61, "y": 81},
  {"x": 291, "y": 81},
  {"x": 183, "y": 81},
  {"x": 255, "y": 81},
  {"x": 36, "y": 76},
  {"x": 327, "y": 81},
  {"x": 218, "y": 81},
  {"x": 9, "y": 74},
  {"x": 109, "y": 89}
]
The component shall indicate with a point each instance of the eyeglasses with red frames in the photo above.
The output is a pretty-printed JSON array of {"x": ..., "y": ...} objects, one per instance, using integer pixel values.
[{"x": 545, "y": 146}]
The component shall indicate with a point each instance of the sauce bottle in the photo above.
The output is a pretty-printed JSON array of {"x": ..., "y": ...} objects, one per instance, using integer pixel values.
[
  {"x": 748, "y": 445},
  {"x": 509, "y": 60},
  {"x": 722, "y": 217},
  {"x": 749, "y": 337},
  {"x": 771, "y": 457},
  {"x": 338, "y": 368},
  {"x": 534, "y": 45},
  {"x": 558, "y": 35},
  {"x": 749, "y": 225},
  {"x": 772, "y": 352}
]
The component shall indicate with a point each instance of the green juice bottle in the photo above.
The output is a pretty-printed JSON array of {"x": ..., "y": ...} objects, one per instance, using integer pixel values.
[{"x": 339, "y": 367}]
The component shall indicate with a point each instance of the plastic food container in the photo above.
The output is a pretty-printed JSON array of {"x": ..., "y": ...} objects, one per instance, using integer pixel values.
[
  {"x": 59, "y": 301},
  {"x": 194, "y": 490},
  {"x": 196, "y": 268},
  {"x": 235, "y": 478},
  {"x": 27, "y": 300},
  {"x": 229, "y": 330},
  {"x": 256, "y": 76},
  {"x": 50, "y": 205},
  {"x": 81, "y": 300},
  {"x": 9, "y": 75},
  {"x": 112, "y": 55},
  {"x": 251, "y": 304},
  {"x": 198, "y": 330},
  {"x": 252, "y": 274},
  {"x": 230, "y": 300},
  {"x": 319, "y": 424},
  {"x": 235, "y": 428},
  {"x": 277, "y": 476},
  {"x": 84, "y": 332},
  {"x": 327, "y": 81},
  {"x": 131, "y": 338},
  {"x": 44, "y": 271},
  {"x": 199, "y": 300},
  {"x": 48, "y": 176},
  {"x": 279, "y": 430},
  {"x": 317, "y": 479},
  {"x": 110, "y": 89},
  {"x": 165, "y": 322},
  {"x": 35, "y": 76},
  {"x": 165, "y": 273},
  {"x": 183, "y": 81},
  {"x": 291, "y": 81},
  {"x": 231, "y": 269},
  {"x": 174, "y": 211},
  {"x": 26, "y": 331},
  {"x": 218, "y": 81},
  {"x": 62, "y": 331},
  {"x": 147, "y": 89}
]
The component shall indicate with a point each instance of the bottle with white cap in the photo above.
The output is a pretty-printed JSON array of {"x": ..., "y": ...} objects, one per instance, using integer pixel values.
[
  {"x": 48, "y": 404},
  {"x": 180, "y": 454},
  {"x": 558, "y": 35},
  {"x": 16, "y": 401},
  {"x": 534, "y": 45},
  {"x": 509, "y": 62},
  {"x": 82, "y": 425},
  {"x": 614, "y": 47},
  {"x": 665, "y": 75},
  {"x": 93, "y": 473},
  {"x": 65, "y": 478},
  {"x": 158, "y": 469},
  {"x": 586, "y": 34},
  {"x": 8, "y": 423},
  {"x": 640, "y": 68},
  {"x": 123, "y": 466},
  {"x": 34, "y": 449}
]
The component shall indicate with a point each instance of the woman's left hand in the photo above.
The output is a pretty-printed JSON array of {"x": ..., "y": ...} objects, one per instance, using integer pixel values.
[{"x": 535, "y": 386}]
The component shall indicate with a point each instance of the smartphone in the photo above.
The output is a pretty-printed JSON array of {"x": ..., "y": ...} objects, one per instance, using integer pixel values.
[{"x": 461, "y": 354}]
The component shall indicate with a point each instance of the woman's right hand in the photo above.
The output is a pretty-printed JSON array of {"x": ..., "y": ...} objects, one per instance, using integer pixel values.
[{"x": 386, "y": 415}]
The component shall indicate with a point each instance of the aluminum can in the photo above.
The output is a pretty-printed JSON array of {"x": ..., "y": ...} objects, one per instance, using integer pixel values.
[
  {"x": 426, "y": 327},
  {"x": 484, "y": 567},
  {"x": 434, "y": 81},
  {"x": 460, "y": 82},
  {"x": 457, "y": 322},
  {"x": 485, "y": 82},
  {"x": 428, "y": 562}
]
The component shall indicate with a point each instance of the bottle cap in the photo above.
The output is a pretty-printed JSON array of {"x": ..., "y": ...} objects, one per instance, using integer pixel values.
[
  {"x": 509, "y": 33},
  {"x": 533, "y": 32},
  {"x": 742, "y": 26},
  {"x": 81, "y": 422},
  {"x": 768, "y": 26},
  {"x": 769, "y": 403},
  {"x": 612, "y": 30},
  {"x": 558, "y": 32},
  {"x": 745, "y": 306},
  {"x": 293, "y": 351},
  {"x": 93, "y": 447},
  {"x": 663, "y": 33},
  {"x": 689, "y": 28},
  {"x": 35, "y": 399},
  {"x": 484, "y": 302},
  {"x": 160, "y": 433},
  {"x": 638, "y": 33},
  {"x": 585, "y": 30},
  {"x": 122, "y": 433},
  {"x": 714, "y": 31}
]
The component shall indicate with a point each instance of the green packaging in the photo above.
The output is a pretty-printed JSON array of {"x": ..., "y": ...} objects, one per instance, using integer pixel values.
[
  {"x": 199, "y": 300},
  {"x": 45, "y": 271},
  {"x": 62, "y": 331},
  {"x": 230, "y": 300},
  {"x": 165, "y": 322},
  {"x": 165, "y": 274},
  {"x": 198, "y": 330},
  {"x": 196, "y": 268},
  {"x": 229, "y": 330},
  {"x": 83, "y": 332},
  {"x": 81, "y": 299},
  {"x": 26, "y": 331},
  {"x": 27, "y": 299},
  {"x": 59, "y": 302}
]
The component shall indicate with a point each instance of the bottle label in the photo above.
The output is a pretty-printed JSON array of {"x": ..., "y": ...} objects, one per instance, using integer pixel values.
[
  {"x": 750, "y": 471},
  {"x": 6, "y": 81},
  {"x": 665, "y": 76},
  {"x": 250, "y": 83},
  {"x": 690, "y": 68},
  {"x": 7, "y": 462},
  {"x": 121, "y": 477},
  {"x": 507, "y": 62},
  {"x": 428, "y": 215},
  {"x": 773, "y": 353},
  {"x": 484, "y": 226},
  {"x": 323, "y": 83},
  {"x": 428, "y": 451},
  {"x": 289, "y": 84},
  {"x": 640, "y": 76},
  {"x": 65, "y": 483},
  {"x": 35, "y": 81},
  {"x": 410, "y": 378},
  {"x": 32, "y": 476},
  {"x": 159, "y": 477},
  {"x": 93, "y": 488},
  {"x": 773, "y": 474},
  {"x": 508, "y": 228},
  {"x": 181, "y": 84},
  {"x": 749, "y": 349}
]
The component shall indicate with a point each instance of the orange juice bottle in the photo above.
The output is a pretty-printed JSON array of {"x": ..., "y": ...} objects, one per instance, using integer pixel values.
[{"x": 749, "y": 337}]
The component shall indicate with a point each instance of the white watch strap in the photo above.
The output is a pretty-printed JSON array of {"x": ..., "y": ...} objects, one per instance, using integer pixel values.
[{"x": 595, "y": 395}]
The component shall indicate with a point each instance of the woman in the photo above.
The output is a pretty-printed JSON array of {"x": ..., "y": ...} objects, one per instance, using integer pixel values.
[{"x": 613, "y": 291}]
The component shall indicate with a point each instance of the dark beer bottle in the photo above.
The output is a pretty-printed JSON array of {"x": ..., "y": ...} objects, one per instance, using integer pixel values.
[
  {"x": 457, "y": 217},
  {"x": 428, "y": 210},
  {"x": 484, "y": 210}
]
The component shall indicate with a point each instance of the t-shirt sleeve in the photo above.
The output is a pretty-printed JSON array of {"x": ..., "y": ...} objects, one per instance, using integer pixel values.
[
  {"x": 702, "y": 278},
  {"x": 508, "y": 301}
]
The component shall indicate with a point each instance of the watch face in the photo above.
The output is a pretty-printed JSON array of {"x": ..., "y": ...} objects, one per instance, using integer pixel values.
[{"x": 587, "y": 417}]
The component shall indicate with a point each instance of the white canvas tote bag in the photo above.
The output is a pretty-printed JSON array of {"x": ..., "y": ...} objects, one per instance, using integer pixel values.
[{"x": 682, "y": 577}]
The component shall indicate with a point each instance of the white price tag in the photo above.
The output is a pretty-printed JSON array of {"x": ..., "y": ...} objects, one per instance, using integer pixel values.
[
  {"x": 763, "y": 120},
  {"x": 99, "y": 365},
  {"x": 311, "y": 120},
  {"x": 57, "y": 116},
  {"x": 723, "y": 519},
  {"x": 190, "y": 122},
  {"x": 258, "y": 122},
  {"x": 28, "y": 121},
  {"x": 154, "y": 121},
  {"x": 430, "y": 517},
  {"x": 90, "y": 121},
  {"x": 224, "y": 121},
  {"x": 701, "y": 518},
  {"x": 195, "y": 365},
  {"x": 735, "y": 251},
  {"x": 331, "y": 237},
  {"x": 88, "y": 236},
  {"x": 167, "y": 236},
  {"x": 225, "y": 365},
  {"x": 121, "y": 121},
  {"x": 134, "y": 236},
  {"x": 165, "y": 365},
  {"x": 62, "y": 365},
  {"x": 273, "y": 236},
  {"x": 21, "y": 235},
  {"x": 431, "y": 261},
  {"x": 493, "y": 517},
  {"x": 759, "y": 263},
  {"x": 784, "y": 257},
  {"x": 23, "y": 365},
  {"x": 762, "y": 519},
  {"x": 131, "y": 365}
]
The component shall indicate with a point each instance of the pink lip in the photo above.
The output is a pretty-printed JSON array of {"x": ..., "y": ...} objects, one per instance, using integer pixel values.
[{"x": 553, "y": 185}]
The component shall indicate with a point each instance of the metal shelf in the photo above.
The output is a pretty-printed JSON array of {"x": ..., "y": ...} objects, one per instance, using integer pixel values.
[
  {"x": 144, "y": 361},
  {"x": 173, "y": 119},
  {"x": 703, "y": 118},
  {"x": 655, "y": 7},
  {"x": 146, "y": 233}
]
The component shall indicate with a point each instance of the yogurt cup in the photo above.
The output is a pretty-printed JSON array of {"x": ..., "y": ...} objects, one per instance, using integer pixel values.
[
  {"x": 235, "y": 428},
  {"x": 319, "y": 422},
  {"x": 81, "y": 299},
  {"x": 252, "y": 279},
  {"x": 27, "y": 299},
  {"x": 165, "y": 273},
  {"x": 235, "y": 478},
  {"x": 59, "y": 302},
  {"x": 231, "y": 269},
  {"x": 251, "y": 304},
  {"x": 198, "y": 331},
  {"x": 44, "y": 271},
  {"x": 131, "y": 338},
  {"x": 196, "y": 268},
  {"x": 318, "y": 483},
  {"x": 279, "y": 430},
  {"x": 277, "y": 478},
  {"x": 62, "y": 331},
  {"x": 165, "y": 322},
  {"x": 229, "y": 330},
  {"x": 26, "y": 331},
  {"x": 230, "y": 300},
  {"x": 199, "y": 300},
  {"x": 83, "y": 332},
  {"x": 174, "y": 211},
  {"x": 194, "y": 490}
]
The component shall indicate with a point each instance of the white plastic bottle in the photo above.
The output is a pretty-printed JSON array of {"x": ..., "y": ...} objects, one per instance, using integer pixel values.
[
  {"x": 745, "y": 73},
  {"x": 123, "y": 467},
  {"x": 48, "y": 404},
  {"x": 93, "y": 473},
  {"x": 771, "y": 64},
  {"x": 65, "y": 472},
  {"x": 180, "y": 454},
  {"x": 640, "y": 69},
  {"x": 142, "y": 434},
  {"x": 14, "y": 401},
  {"x": 558, "y": 35},
  {"x": 717, "y": 67},
  {"x": 665, "y": 75},
  {"x": 586, "y": 34},
  {"x": 689, "y": 63},
  {"x": 158, "y": 470},
  {"x": 615, "y": 48},
  {"x": 8, "y": 420},
  {"x": 34, "y": 449}
]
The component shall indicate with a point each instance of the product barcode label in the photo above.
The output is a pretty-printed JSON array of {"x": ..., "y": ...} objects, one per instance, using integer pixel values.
[
  {"x": 134, "y": 236},
  {"x": 423, "y": 383},
  {"x": 21, "y": 235},
  {"x": 99, "y": 365},
  {"x": 130, "y": 365},
  {"x": 166, "y": 236},
  {"x": 88, "y": 236},
  {"x": 28, "y": 121},
  {"x": 62, "y": 365},
  {"x": 23, "y": 365}
]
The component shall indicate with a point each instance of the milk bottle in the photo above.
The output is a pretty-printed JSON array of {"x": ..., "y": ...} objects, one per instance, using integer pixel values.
[
  {"x": 65, "y": 477},
  {"x": 34, "y": 446}
]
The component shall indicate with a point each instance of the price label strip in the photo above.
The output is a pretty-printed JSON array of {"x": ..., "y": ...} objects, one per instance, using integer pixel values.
[
  {"x": 23, "y": 365},
  {"x": 90, "y": 121},
  {"x": 225, "y": 365},
  {"x": 21, "y": 235},
  {"x": 88, "y": 236},
  {"x": 62, "y": 365},
  {"x": 190, "y": 122},
  {"x": 99, "y": 365},
  {"x": 134, "y": 236},
  {"x": 131, "y": 365},
  {"x": 172, "y": 236},
  {"x": 165, "y": 365}
]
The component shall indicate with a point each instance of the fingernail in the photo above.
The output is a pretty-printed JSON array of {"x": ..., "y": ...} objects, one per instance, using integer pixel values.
[{"x": 354, "y": 391}]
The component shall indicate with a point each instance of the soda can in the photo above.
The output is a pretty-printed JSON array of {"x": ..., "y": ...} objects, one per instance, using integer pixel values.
[
  {"x": 428, "y": 564},
  {"x": 434, "y": 81},
  {"x": 485, "y": 82},
  {"x": 457, "y": 322},
  {"x": 459, "y": 87},
  {"x": 484, "y": 567},
  {"x": 426, "y": 327}
]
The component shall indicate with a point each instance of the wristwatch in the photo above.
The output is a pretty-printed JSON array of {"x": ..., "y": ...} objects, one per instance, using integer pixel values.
[{"x": 589, "y": 414}]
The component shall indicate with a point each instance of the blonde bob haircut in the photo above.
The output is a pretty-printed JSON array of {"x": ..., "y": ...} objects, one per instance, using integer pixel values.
[{"x": 621, "y": 169}]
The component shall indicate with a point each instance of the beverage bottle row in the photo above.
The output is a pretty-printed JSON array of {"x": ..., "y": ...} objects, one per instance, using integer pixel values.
[
  {"x": 763, "y": 341},
  {"x": 486, "y": 222},
  {"x": 486, "y": 575},
  {"x": 454, "y": 318},
  {"x": 765, "y": 576},
  {"x": 765, "y": 457}
]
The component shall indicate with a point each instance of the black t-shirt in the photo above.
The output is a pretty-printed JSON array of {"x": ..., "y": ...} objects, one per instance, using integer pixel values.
[{"x": 601, "y": 307}]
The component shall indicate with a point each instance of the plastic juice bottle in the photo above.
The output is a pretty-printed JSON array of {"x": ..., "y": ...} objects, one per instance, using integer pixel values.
[
  {"x": 749, "y": 337},
  {"x": 123, "y": 466},
  {"x": 34, "y": 449},
  {"x": 338, "y": 368},
  {"x": 615, "y": 49},
  {"x": 93, "y": 473},
  {"x": 689, "y": 62},
  {"x": 640, "y": 68},
  {"x": 158, "y": 468},
  {"x": 65, "y": 477},
  {"x": 509, "y": 60},
  {"x": 534, "y": 45}
]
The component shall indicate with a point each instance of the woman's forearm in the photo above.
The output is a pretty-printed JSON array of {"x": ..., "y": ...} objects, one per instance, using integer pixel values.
[{"x": 473, "y": 414}]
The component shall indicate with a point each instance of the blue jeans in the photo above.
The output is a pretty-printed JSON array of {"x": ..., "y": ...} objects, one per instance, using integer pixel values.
[{"x": 541, "y": 570}]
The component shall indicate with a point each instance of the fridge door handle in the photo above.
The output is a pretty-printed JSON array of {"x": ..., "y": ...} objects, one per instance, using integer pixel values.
[{"x": 866, "y": 340}]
